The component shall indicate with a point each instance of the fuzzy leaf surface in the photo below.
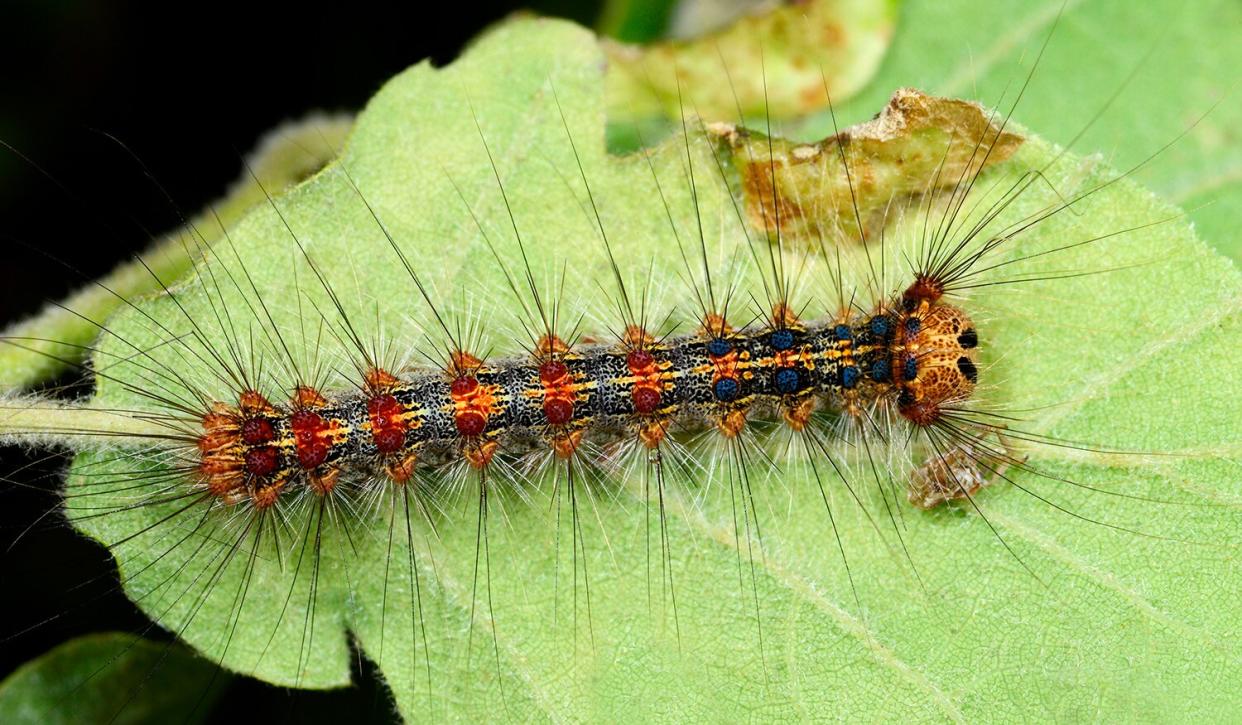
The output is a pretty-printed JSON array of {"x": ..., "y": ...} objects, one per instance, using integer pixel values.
[
  {"x": 1184, "y": 57},
  {"x": 1140, "y": 357}
]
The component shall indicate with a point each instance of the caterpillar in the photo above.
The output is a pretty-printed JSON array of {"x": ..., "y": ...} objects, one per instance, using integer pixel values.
[{"x": 245, "y": 507}]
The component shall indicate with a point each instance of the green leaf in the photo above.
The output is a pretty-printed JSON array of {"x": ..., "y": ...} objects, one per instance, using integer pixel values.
[
  {"x": 635, "y": 21},
  {"x": 1185, "y": 57},
  {"x": 1141, "y": 356},
  {"x": 807, "y": 50},
  {"x": 112, "y": 677}
]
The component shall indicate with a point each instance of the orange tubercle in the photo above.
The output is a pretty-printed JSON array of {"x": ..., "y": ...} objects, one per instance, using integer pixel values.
[
  {"x": 732, "y": 424},
  {"x": 799, "y": 416},
  {"x": 379, "y": 380},
  {"x": 480, "y": 455},
  {"x": 783, "y": 316},
  {"x": 564, "y": 446},
  {"x": 267, "y": 495},
  {"x": 551, "y": 345},
  {"x": 463, "y": 363},
  {"x": 652, "y": 434},
  {"x": 637, "y": 337},
  {"x": 305, "y": 396},
  {"x": 402, "y": 469},
  {"x": 324, "y": 481},
  {"x": 251, "y": 402},
  {"x": 715, "y": 325}
]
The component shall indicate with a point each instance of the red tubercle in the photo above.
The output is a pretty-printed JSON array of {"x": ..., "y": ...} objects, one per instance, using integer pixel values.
[
  {"x": 308, "y": 428},
  {"x": 558, "y": 411},
  {"x": 383, "y": 411},
  {"x": 553, "y": 372},
  {"x": 256, "y": 431},
  {"x": 558, "y": 392},
  {"x": 262, "y": 462},
  {"x": 312, "y": 456},
  {"x": 646, "y": 400},
  {"x": 473, "y": 404},
  {"x": 470, "y": 423},
  {"x": 305, "y": 423},
  {"x": 646, "y": 393},
  {"x": 387, "y": 428},
  {"x": 388, "y": 440},
  {"x": 639, "y": 361},
  {"x": 463, "y": 385}
]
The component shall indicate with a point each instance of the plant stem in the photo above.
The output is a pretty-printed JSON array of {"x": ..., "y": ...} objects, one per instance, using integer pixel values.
[{"x": 42, "y": 423}]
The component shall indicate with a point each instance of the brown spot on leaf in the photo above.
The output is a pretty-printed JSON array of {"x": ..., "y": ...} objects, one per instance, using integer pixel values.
[{"x": 917, "y": 144}]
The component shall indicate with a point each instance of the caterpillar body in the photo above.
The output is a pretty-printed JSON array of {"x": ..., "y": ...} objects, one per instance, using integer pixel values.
[{"x": 918, "y": 356}]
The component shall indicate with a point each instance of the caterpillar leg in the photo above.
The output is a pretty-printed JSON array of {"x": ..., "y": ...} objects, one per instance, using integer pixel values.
[{"x": 961, "y": 470}]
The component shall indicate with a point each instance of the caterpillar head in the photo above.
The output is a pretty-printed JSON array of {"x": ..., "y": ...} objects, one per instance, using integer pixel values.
[{"x": 937, "y": 348}]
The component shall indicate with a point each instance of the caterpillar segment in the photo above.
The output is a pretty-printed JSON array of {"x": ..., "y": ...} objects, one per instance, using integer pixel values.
[{"x": 915, "y": 356}]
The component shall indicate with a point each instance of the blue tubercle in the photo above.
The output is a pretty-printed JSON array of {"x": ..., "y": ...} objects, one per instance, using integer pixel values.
[
  {"x": 781, "y": 340},
  {"x": 787, "y": 381},
  {"x": 719, "y": 347},
  {"x": 726, "y": 389}
]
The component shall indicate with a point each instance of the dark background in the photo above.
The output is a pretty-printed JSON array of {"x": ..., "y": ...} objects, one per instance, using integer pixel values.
[{"x": 186, "y": 87}]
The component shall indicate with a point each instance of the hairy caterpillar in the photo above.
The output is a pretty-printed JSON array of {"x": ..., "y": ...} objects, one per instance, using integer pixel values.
[{"x": 340, "y": 564}]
